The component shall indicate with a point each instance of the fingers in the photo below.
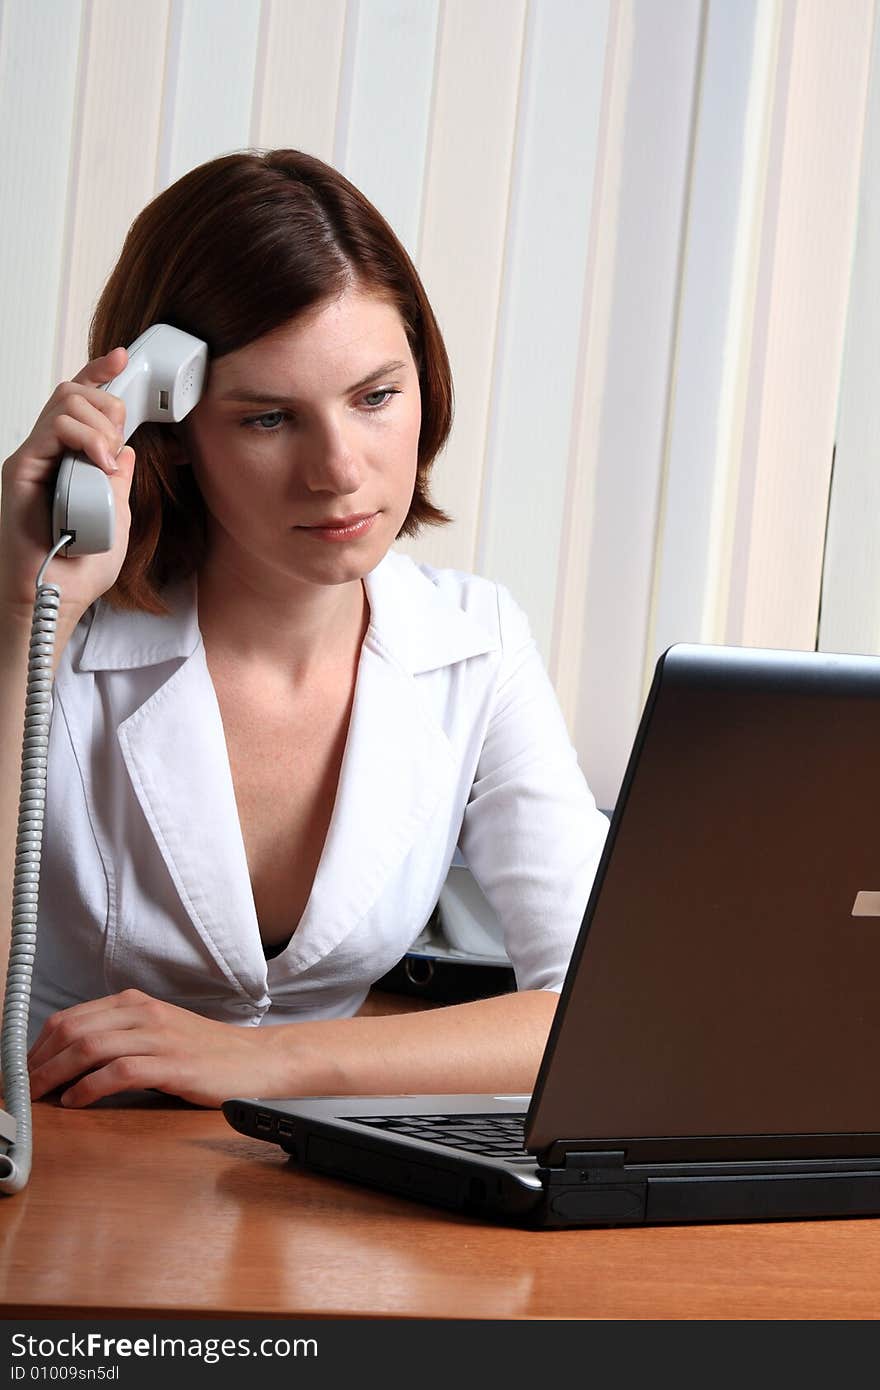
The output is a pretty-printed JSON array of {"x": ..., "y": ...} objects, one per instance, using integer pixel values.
[
  {"x": 83, "y": 399},
  {"x": 99, "y": 1064},
  {"x": 126, "y": 1074},
  {"x": 64, "y": 1029},
  {"x": 54, "y": 1065},
  {"x": 85, "y": 1054},
  {"x": 93, "y": 427},
  {"x": 132, "y": 1041},
  {"x": 103, "y": 1046},
  {"x": 125, "y": 468},
  {"x": 78, "y": 418},
  {"x": 103, "y": 369}
]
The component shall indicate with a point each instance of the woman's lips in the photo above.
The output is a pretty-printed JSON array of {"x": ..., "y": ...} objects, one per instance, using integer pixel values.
[{"x": 341, "y": 533}]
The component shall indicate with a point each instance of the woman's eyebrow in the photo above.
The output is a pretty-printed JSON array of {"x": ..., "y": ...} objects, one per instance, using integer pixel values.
[{"x": 237, "y": 393}]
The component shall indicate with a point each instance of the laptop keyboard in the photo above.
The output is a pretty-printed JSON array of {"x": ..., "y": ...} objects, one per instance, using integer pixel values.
[{"x": 499, "y": 1136}]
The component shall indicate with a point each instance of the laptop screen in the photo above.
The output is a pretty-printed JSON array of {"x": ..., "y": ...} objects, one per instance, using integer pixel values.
[{"x": 721, "y": 984}]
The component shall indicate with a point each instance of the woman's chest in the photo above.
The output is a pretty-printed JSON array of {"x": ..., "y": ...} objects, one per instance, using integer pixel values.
[
  {"x": 178, "y": 876},
  {"x": 285, "y": 761}
]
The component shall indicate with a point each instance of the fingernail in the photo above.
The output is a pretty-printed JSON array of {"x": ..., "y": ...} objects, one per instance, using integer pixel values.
[{"x": 111, "y": 462}]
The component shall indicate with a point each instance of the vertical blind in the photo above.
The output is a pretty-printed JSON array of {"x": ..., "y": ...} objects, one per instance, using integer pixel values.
[{"x": 635, "y": 222}]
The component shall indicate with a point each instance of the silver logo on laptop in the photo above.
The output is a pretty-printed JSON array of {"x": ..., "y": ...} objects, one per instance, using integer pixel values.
[{"x": 866, "y": 904}]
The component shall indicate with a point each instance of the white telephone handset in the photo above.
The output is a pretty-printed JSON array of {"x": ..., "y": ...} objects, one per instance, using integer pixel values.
[{"x": 161, "y": 382}]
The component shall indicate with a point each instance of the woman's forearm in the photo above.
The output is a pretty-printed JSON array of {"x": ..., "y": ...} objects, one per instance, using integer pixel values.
[
  {"x": 486, "y": 1045},
  {"x": 130, "y": 1041}
]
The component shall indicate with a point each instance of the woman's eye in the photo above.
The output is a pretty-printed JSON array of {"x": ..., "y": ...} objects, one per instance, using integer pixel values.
[
  {"x": 387, "y": 392},
  {"x": 257, "y": 421}
]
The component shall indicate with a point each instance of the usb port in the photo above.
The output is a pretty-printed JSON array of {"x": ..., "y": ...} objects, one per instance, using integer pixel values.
[
  {"x": 285, "y": 1129},
  {"x": 264, "y": 1121},
  {"x": 163, "y": 400}
]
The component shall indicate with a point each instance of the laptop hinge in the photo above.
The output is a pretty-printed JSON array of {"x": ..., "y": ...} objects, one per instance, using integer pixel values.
[
  {"x": 599, "y": 1165},
  {"x": 592, "y": 1188}
]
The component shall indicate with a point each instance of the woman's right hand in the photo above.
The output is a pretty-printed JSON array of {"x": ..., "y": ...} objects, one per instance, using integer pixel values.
[{"x": 77, "y": 417}]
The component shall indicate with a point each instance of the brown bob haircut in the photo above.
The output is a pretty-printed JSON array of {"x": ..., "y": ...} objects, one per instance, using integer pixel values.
[{"x": 235, "y": 248}]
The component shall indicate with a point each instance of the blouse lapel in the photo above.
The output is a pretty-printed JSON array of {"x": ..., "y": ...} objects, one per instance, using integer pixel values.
[
  {"x": 175, "y": 752},
  {"x": 398, "y": 763},
  {"x": 397, "y": 766}
]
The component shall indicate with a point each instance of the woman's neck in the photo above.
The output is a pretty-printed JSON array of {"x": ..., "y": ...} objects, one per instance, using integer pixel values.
[{"x": 297, "y": 636}]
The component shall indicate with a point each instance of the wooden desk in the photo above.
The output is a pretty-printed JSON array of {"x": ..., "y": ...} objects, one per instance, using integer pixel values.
[{"x": 160, "y": 1209}]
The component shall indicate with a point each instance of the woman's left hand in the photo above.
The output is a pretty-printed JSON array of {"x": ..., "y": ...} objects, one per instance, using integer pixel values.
[{"x": 132, "y": 1042}]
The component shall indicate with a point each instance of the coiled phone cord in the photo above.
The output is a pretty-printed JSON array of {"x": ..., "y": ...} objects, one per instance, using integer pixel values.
[{"x": 15, "y": 1165}]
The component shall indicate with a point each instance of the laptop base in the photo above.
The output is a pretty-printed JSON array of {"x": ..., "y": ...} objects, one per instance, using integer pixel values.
[{"x": 593, "y": 1189}]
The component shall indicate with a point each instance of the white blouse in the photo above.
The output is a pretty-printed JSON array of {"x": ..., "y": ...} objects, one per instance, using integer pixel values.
[{"x": 456, "y": 739}]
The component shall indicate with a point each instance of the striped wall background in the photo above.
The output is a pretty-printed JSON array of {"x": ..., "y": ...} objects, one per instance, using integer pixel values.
[
  {"x": 850, "y": 616},
  {"x": 635, "y": 220}
]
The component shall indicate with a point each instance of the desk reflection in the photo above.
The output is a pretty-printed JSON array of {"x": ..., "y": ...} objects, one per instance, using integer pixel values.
[
  {"x": 166, "y": 1200},
  {"x": 159, "y": 1209}
]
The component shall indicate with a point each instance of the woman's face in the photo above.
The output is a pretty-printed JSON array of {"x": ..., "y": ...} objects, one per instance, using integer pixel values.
[{"x": 317, "y": 422}]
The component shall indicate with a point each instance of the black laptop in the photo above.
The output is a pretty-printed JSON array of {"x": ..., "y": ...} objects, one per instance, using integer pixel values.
[{"x": 716, "y": 1050}]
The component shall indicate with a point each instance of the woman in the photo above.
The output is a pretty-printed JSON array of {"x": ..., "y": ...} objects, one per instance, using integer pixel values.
[{"x": 270, "y": 730}]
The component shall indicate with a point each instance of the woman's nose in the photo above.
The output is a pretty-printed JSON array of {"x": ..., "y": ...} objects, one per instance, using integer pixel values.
[{"x": 332, "y": 462}]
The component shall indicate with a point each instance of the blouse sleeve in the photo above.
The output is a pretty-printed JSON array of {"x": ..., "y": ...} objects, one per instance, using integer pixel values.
[{"x": 532, "y": 834}]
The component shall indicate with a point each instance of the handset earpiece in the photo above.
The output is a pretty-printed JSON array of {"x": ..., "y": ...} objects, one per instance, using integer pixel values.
[{"x": 161, "y": 382}]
